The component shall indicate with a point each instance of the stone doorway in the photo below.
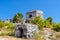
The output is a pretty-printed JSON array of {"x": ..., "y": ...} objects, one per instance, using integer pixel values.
[{"x": 20, "y": 32}]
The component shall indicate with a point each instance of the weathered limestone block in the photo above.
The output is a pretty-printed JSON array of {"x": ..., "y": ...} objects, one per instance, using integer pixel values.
[{"x": 26, "y": 30}]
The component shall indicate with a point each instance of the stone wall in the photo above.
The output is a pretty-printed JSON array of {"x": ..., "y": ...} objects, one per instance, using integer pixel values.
[{"x": 28, "y": 30}]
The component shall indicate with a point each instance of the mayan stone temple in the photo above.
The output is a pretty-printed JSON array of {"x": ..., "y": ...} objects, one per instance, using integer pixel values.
[
  {"x": 27, "y": 30},
  {"x": 31, "y": 15}
]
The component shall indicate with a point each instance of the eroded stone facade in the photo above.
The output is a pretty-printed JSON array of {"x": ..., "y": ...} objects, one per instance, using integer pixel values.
[
  {"x": 32, "y": 14},
  {"x": 26, "y": 30}
]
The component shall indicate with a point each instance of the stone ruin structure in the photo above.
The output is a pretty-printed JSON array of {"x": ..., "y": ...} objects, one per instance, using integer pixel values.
[
  {"x": 26, "y": 30},
  {"x": 32, "y": 14}
]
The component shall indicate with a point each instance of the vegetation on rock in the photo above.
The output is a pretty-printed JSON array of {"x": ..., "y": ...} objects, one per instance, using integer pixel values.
[{"x": 8, "y": 28}]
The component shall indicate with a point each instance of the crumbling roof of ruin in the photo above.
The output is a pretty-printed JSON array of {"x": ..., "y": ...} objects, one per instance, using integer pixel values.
[{"x": 35, "y": 11}]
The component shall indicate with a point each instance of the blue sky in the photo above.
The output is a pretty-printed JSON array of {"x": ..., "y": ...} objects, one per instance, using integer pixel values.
[{"x": 10, "y": 7}]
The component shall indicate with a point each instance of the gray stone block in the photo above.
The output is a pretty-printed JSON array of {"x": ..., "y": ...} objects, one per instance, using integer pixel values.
[{"x": 25, "y": 30}]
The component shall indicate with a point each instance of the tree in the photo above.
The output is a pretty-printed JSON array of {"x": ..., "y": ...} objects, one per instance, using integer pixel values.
[
  {"x": 17, "y": 18},
  {"x": 56, "y": 27},
  {"x": 49, "y": 19},
  {"x": 47, "y": 24},
  {"x": 38, "y": 21}
]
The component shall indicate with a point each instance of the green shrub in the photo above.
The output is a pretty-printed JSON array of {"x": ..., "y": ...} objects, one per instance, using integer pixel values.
[
  {"x": 8, "y": 29},
  {"x": 56, "y": 27}
]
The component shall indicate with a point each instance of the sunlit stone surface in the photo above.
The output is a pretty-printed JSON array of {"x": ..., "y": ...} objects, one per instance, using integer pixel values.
[{"x": 26, "y": 30}]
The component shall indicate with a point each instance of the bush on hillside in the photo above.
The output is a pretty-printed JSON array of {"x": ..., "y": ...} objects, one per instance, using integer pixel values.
[{"x": 56, "y": 27}]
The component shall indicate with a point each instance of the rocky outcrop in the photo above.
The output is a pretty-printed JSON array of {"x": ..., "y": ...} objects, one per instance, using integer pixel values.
[
  {"x": 26, "y": 30},
  {"x": 49, "y": 34}
]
